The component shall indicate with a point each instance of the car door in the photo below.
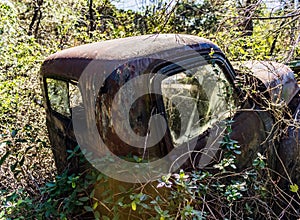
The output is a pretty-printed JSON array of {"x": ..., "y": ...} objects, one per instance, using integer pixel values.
[
  {"x": 61, "y": 96},
  {"x": 196, "y": 101}
]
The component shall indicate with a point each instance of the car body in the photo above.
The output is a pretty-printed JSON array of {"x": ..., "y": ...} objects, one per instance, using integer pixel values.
[
  {"x": 193, "y": 68},
  {"x": 295, "y": 65}
]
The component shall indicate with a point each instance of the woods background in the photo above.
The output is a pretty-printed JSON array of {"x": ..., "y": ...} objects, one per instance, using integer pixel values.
[{"x": 31, "y": 30}]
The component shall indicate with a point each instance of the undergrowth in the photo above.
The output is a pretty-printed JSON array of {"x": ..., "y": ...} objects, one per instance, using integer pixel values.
[{"x": 221, "y": 193}]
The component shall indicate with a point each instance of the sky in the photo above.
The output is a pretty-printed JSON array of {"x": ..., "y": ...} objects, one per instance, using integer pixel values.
[
  {"x": 134, "y": 4},
  {"x": 140, "y": 4}
]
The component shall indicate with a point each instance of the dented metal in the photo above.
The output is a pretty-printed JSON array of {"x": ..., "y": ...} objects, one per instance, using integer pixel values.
[{"x": 136, "y": 56}]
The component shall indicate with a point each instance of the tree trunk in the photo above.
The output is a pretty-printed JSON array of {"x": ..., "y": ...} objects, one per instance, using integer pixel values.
[{"x": 36, "y": 19}]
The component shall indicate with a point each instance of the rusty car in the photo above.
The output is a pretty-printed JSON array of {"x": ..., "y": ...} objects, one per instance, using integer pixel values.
[{"x": 196, "y": 88}]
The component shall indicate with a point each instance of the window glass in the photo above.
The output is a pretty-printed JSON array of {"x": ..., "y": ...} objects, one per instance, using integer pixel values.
[
  {"x": 58, "y": 96},
  {"x": 195, "y": 99},
  {"x": 75, "y": 96}
]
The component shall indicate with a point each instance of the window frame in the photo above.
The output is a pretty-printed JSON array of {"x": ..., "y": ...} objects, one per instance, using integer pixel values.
[{"x": 216, "y": 58}]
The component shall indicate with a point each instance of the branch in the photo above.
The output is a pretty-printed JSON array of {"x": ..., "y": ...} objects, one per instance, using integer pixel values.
[
  {"x": 265, "y": 18},
  {"x": 277, "y": 17}
]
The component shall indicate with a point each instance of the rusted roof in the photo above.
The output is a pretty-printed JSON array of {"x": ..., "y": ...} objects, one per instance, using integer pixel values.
[{"x": 71, "y": 62}]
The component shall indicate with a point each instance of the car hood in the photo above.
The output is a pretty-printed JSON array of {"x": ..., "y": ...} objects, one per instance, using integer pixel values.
[{"x": 278, "y": 78}]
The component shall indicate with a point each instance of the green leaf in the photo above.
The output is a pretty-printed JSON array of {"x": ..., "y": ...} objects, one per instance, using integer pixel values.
[
  {"x": 237, "y": 152},
  {"x": 158, "y": 209},
  {"x": 88, "y": 208},
  {"x": 84, "y": 199},
  {"x": 14, "y": 133},
  {"x": 145, "y": 206},
  {"x": 92, "y": 194},
  {"x": 76, "y": 148},
  {"x": 2, "y": 213},
  {"x": 20, "y": 201},
  {"x": 50, "y": 184},
  {"x": 294, "y": 188},
  {"x": 78, "y": 203},
  {"x": 143, "y": 197},
  {"x": 97, "y": 215},
  {"x": 95, "y": 205},
  {"x": 99, "y": 177},
  {"x": 133, "y": 205}
]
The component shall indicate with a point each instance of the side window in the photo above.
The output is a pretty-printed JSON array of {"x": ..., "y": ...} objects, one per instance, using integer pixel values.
[
  {"x": 195, "y": 99},
  {"x": 58, "y": 96},
  {"x": 63, "y": 96}
]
